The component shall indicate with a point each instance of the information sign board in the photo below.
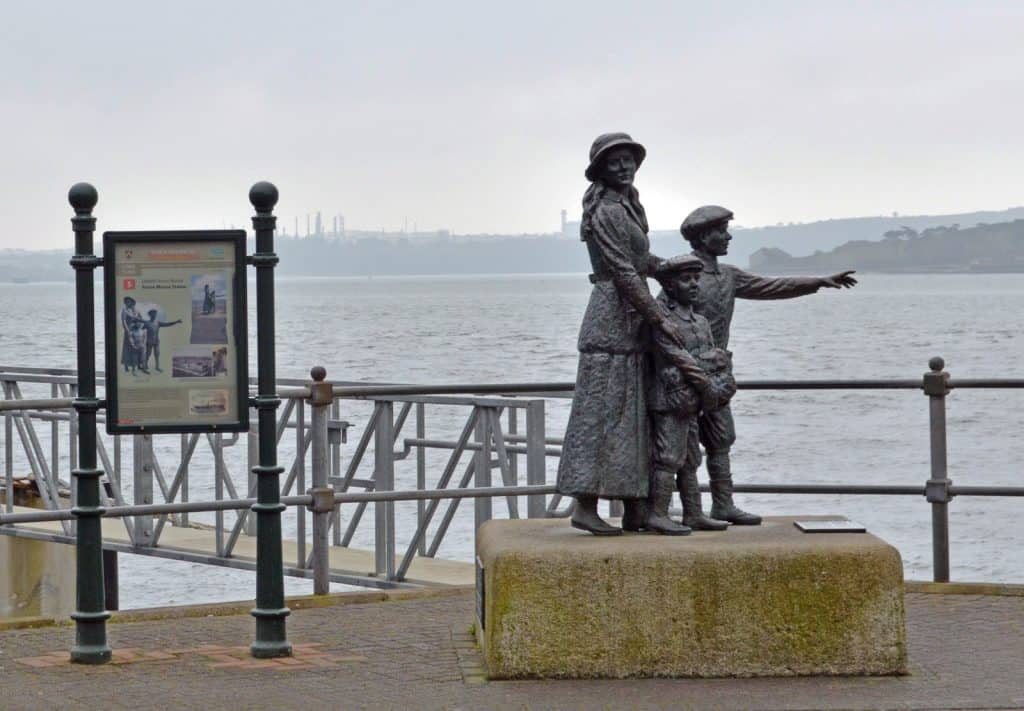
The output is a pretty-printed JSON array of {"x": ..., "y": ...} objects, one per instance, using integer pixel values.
[{"x": 176, "y": 343}]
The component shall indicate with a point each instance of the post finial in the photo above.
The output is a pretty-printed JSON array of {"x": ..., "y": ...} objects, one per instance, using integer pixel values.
[
  {"x": 263, "y": 196},
  {"x": 318, "y": 373},
  {"x": 936, "y": 364},
  {"x": 83, "y": 197}
]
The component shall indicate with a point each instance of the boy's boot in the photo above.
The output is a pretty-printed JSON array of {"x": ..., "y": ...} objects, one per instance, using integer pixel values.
[
  {"x": 722, "y": 506},
  {"x": 662, "y": 487},
  {"x": 634, "y": 515},
  {"x": 693, "y": 515}
]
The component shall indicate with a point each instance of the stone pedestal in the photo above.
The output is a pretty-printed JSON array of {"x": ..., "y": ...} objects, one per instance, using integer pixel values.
[
  {"x": 751, "y": 601},
  {"x": 37, "y": 578}
]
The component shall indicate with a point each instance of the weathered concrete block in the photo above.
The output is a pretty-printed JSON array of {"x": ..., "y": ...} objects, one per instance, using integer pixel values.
[
  {"x": 37, "y": 578},
  {"x": 751, "y": 601}
]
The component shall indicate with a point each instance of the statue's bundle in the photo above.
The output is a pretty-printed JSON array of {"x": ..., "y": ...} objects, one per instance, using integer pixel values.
[{"x": 685, "y": 399}]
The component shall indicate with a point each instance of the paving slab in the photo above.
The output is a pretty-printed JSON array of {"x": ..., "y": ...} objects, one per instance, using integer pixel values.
[{"x": 411, "y": 652}]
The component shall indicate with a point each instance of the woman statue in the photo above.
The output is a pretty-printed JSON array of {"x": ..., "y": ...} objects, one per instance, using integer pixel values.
[
  {"x": 130, "y": 319},
  {"x": 606, "y": 451}
]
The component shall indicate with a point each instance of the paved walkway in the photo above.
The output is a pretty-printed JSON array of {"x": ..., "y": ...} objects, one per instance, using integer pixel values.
[{"x": 966, "y": 651}]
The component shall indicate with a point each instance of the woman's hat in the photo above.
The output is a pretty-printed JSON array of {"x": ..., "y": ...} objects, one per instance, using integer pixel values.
[{"x": 604, "y": 143}]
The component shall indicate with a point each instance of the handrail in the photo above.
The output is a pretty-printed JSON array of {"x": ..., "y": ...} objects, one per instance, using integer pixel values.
[
  {"x": 46, "y": 516},
  {"x": 39, "y": 404},
  {"x": 371, "y": 390},
  {"x": 490, "y": 444}
]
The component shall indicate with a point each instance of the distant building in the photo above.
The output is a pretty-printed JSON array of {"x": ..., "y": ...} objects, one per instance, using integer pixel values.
[{"x": 570, "y": 230}]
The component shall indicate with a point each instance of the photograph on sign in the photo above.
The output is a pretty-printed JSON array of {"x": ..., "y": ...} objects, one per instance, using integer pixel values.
[{"x": 176, "y": 356}]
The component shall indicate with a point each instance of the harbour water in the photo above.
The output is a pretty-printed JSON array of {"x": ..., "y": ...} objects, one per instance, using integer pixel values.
[{"x": 523, "y": 328}]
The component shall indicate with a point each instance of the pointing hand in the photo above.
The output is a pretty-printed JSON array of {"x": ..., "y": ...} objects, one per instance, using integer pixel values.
[{"x": 842, "y": 279}]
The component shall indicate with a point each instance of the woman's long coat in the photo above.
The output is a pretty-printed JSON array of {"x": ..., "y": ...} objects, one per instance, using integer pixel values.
[{"x": 606, "y": 451}]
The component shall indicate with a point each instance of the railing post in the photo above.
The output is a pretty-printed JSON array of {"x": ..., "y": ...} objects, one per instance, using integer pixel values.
[
  {"x": 482, "y": 467},
  {"x": 142, "y": 480},
  {"x": 8, "y": 464},
  {"x": 384, "y": 480},
  {"x": 183, "y": 497},
  {"x": 90, "y": 613},
  {"x": 336, "y": 470},
  {"x": 55, "y": 438},
  {"x": 421, "y": 472},
  {"x": 300, "y": 481},
  {"x": 217, "y": 441},
  {"x": 270, "y": 612},
  {"x": 321, "y": 396},
  {"x": 536, "y": 462},
  {"x": 936, "y": 386}
]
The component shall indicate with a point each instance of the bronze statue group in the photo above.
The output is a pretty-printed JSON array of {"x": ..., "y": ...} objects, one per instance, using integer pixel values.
[
  {"x": 655, "y": 374},
  {"x": 141, "y": 338}
]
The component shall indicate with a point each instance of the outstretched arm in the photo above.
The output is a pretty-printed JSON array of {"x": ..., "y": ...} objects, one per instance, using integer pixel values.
[
  {"x": 752, "y": 286},
  {"x": 169, "y": 323}
]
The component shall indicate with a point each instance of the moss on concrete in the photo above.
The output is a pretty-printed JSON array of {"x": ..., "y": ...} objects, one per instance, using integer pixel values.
[{"x": 767, "y": 601}]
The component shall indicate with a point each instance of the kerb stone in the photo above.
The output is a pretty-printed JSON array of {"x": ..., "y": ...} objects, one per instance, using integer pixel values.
[{"x": 751, "y": 601}]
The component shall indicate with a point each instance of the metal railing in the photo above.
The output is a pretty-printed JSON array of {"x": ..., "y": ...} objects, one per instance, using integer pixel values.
[
  {"x": 489, "y": 442},
  {"x": 490, "y": 433}
]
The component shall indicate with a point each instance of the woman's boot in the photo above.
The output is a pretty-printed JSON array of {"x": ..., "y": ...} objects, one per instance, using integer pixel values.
[
  {"x": 662, "y": 487},
  {"x": 693, "y": 514},
  {"x": 585, "y": 518}
]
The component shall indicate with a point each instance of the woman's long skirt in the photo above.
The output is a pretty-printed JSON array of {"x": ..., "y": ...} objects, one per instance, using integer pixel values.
[{"x": 606, "y": 452}]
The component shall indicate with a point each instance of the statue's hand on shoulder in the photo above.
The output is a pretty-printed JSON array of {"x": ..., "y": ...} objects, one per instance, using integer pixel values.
[
  {"x": 674, "y": 333},
  {"x": 840, "y": 280}
]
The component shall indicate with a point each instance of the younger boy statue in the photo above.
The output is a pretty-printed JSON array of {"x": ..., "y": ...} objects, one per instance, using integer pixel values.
[{"x": 675, "y": 404}]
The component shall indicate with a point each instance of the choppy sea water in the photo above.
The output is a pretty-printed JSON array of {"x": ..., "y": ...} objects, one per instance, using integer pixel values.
[{"x": 520, "y": 328}]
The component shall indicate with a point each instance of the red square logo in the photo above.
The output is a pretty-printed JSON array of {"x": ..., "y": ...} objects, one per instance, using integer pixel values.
[{"x": 129, "y": 284}]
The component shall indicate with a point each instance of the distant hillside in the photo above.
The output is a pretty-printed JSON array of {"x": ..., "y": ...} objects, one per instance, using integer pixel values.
[
  {"x": 983, "y": 248},
  {"x": 19, "y": 265},
  {"x": 804, "y": 239}
]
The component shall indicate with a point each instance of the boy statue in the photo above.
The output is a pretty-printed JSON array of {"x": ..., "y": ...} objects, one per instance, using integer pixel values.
[
  {"x": 153, "y": 326},
  {"x": 706, "y": 229},
  {"x": 674, "y": 403}
]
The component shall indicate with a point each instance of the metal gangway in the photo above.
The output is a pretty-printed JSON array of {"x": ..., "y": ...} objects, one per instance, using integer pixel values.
[{"x": 501, "y": 436}]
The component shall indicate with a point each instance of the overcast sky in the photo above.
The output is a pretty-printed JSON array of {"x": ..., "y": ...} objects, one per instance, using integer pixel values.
[{"x": 478, "y": 116}]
